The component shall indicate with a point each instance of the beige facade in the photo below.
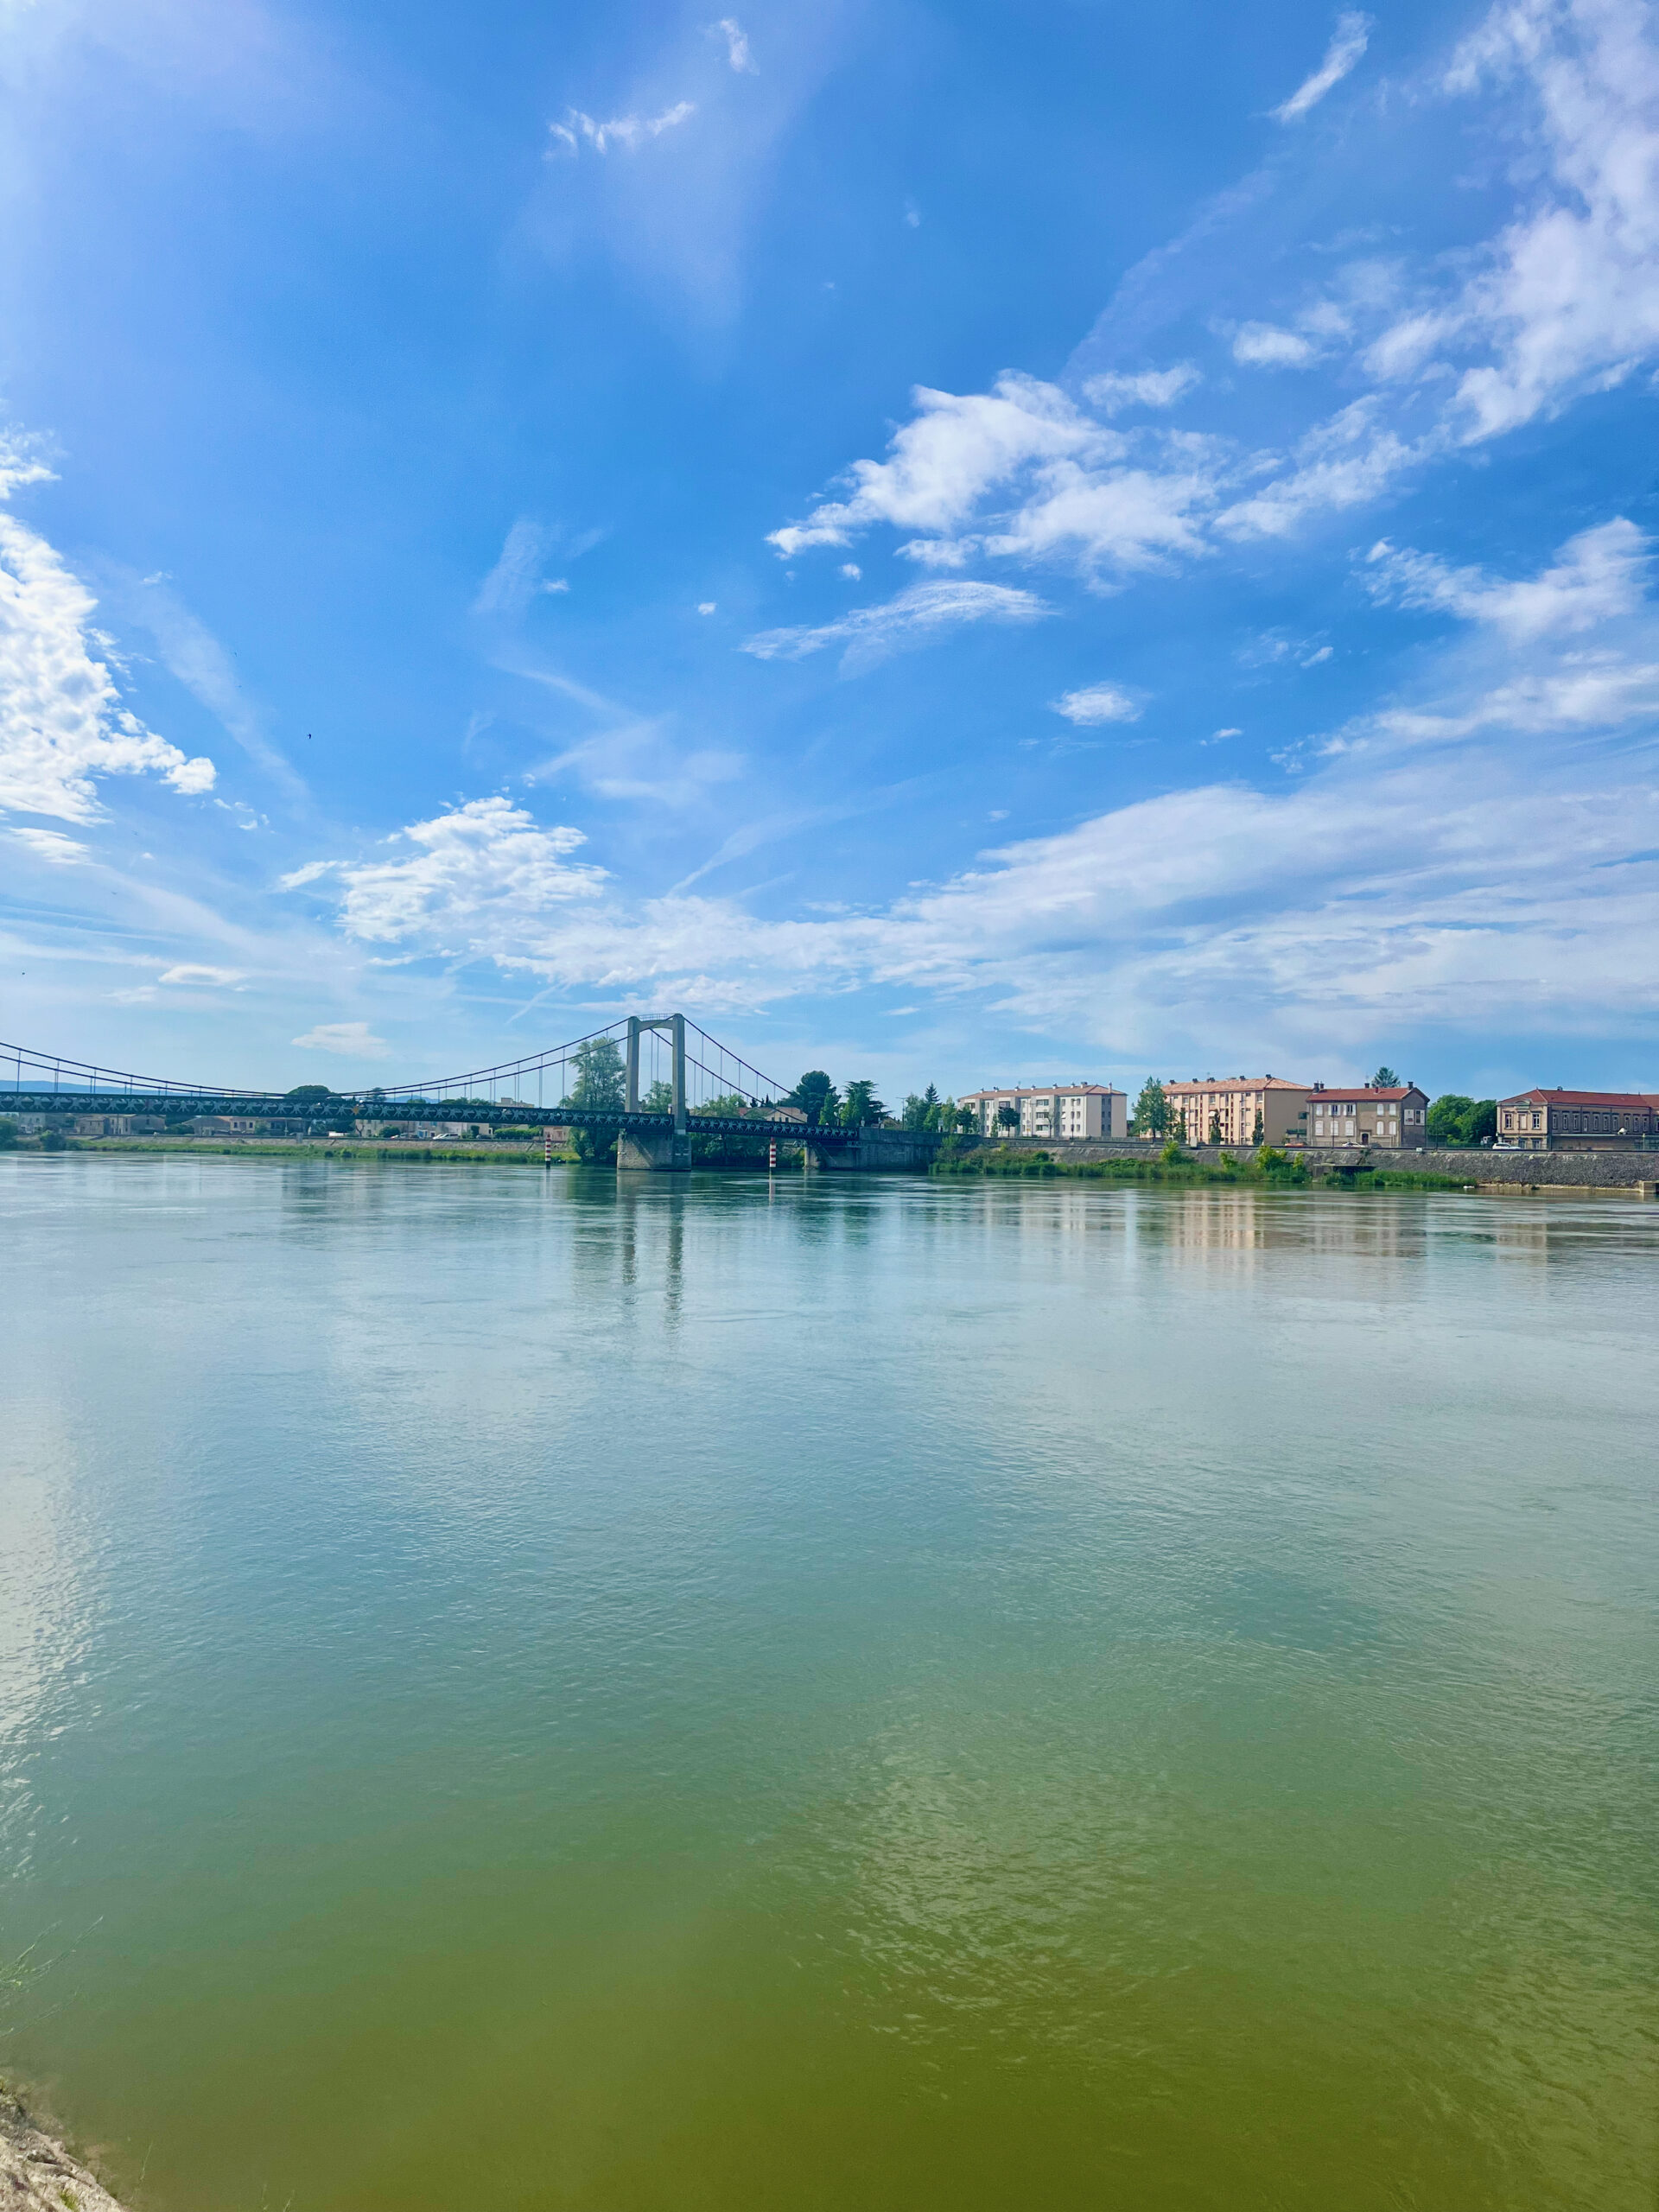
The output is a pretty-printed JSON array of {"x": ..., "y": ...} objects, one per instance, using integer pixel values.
[
  {"x": 1582, "y": 1121},
  {"x": 1367, "y": 1117},
  {"x": 1227, "y": 1109},
  {"x": 1066, "y": 1110}
]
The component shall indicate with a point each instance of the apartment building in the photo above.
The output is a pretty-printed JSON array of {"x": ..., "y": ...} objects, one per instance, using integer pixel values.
[
  {"x": 1229, "y": 1110},
  {"x": 1582, "y": 1121},
  {"x": 1397, "y": 1116},
  {"x": 1053, "y": 1109}
]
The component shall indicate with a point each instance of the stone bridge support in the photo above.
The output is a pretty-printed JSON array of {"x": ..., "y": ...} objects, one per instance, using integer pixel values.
[{"x": 652, "y": 1152}]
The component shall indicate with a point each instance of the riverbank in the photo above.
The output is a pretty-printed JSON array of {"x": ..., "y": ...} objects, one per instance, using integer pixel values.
[
  {"x": 1625, "y": 1172},
  {"x": 37, "y": 2174}
]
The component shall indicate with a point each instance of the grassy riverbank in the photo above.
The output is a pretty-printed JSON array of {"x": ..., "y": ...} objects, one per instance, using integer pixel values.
[{"x": 1266, "y": 1170}]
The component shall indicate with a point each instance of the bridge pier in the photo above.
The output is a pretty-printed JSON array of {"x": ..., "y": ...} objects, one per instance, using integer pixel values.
[{"x": 652, "y": 1152}]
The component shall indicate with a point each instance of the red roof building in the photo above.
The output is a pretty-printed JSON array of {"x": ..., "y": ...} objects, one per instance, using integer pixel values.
[
  {"x": 1393, "y": 1116},
  {"x": 1578, "y": 1121}
]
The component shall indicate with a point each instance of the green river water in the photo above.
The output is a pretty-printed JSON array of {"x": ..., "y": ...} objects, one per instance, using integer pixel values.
[{"x": 842, "y": 1696}]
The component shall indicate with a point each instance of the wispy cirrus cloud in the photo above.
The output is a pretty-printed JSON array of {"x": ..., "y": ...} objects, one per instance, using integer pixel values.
[
  {"x": 349, "y": 1040},
  {"x": 628, "y": 131},
  {"x": 1598, "y": 576},
  {"x": 917, "y": 617},
  {"x": 1347, "y": 47},
  {"x": 737, "y": 45}
]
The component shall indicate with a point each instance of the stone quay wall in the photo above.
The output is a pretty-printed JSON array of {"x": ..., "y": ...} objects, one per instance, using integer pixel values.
[{"x": 1484, "y": 1167}]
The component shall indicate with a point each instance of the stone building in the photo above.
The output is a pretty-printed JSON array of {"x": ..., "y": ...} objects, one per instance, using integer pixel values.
[
  {"x": 1395, "y": 1116},
  {"x": 1579, "y": 1121}
]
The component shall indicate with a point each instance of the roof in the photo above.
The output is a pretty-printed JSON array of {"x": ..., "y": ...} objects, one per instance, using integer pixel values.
[
  {"x": 1394, "y": 1090},
  {"x": 1641, "y": 1101},
  {"x": 1039, "y": 1090},
  {"x": 1239, "y": 1083}
]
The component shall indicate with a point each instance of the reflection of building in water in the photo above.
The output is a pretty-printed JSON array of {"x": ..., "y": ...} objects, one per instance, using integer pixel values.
[{"x": 1239, "y": 1109}]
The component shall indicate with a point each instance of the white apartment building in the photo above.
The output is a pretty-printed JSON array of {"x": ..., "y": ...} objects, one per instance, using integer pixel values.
[{"x": 1052, "y": 1109}]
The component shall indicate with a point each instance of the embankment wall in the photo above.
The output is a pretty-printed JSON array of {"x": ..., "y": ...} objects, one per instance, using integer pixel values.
[{"x": 1490, "y": 1170}]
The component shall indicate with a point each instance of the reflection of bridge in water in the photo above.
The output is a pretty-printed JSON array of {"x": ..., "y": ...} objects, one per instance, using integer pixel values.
[{"x": 698, "y": 1088}]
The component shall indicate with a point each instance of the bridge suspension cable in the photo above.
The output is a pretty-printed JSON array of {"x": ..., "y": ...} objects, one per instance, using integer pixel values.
[
  {"x": 29, "y": 1070},
  {"x": 713, "y": 1070}
]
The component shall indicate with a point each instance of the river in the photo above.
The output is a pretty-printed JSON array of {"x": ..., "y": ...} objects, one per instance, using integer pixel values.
[{"x": 862, "y": 1693}]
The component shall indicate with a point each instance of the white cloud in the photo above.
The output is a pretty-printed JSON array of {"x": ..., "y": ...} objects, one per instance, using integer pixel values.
[
  {"x": 352, "y": 1040},
  {"x": 850, "y": 572},
  {"x": 487, "y": 853},
  {"x": 1262, "y": 346},
  {"x": 308, "y": 874},
  {"x": 1568, "y": 300},
  {"x": 1347, "y": 44},
  {"x": 1236, "y": 914},
  {"x": 737, "y": 45},
  {"x": 916, "y": 617},
  {"x": 516, "y": 577},
  {"x": 1598, "y": 576},
  {"x": 706, "y": 606},
  {"x": 1343, "y": 462},
  {"x": 50, "y": 845},
  {"x": 1151, "y": 388},
  {"x": 1072, "y": 488},
  {"x": 198, "y": 975},
  {"x": 628, "y": 131},
  {"x": 1095, "y": 704},
  {"x": 62, "y": 724},
  {"x": 945, "y": 459}
]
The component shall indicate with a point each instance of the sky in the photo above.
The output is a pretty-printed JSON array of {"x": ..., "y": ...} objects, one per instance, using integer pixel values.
[{"x": 958, "y": 543}]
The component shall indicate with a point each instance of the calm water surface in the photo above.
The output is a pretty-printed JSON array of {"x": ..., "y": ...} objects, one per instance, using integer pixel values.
[{"x": 861, "y": 1695}]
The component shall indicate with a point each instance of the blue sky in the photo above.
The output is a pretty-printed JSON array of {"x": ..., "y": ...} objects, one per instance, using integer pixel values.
[{"x": 953, "y": 544}]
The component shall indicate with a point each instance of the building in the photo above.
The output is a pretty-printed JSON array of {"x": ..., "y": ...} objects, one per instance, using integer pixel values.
[
  {"x": 1579, "y": 1121},
  {"x": 228, "y": 1125},
  {"x": 1396, "y": 1116},
  {"x": 1052, "y": 1109},
  {"x": 1233, "y": 1110}
]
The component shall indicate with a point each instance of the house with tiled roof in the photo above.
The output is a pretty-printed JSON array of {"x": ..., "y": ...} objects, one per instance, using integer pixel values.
[{"x": 1579, "y": 1120}]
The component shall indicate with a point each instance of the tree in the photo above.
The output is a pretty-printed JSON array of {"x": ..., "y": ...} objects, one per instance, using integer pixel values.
[
  {"x": 1385, "y": 1079},
  {"x": 1215, "y": 1125},
  {"x": 1260, "y": 1130},
  {"x": 1008, "y": 1117},
  {"x": 8, "y": 1135},
  {"x": 1480, "y": 1122},
  {"x": 659, "y": 1099},
  {"x": 303, "y": 1093},
  {"x": 967, "y": 1121},
  {"x": 816, "y": 1097},
  {"x": 921, "y": 1110},
  {"x": 1151, "y": 1109},
  {"x": 601, "y": 1084},
  {"x": 862, "y": 1106},
  {"x": 1446, "y": 1118},
  {"x": 54, "y": 1140}
]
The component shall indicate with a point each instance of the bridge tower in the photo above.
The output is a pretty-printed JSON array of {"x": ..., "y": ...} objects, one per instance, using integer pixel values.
[{"x": 655, "y": 1151}]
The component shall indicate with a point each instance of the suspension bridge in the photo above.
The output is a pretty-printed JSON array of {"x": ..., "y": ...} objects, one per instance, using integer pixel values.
[{"x": 654, "y": 1082}]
